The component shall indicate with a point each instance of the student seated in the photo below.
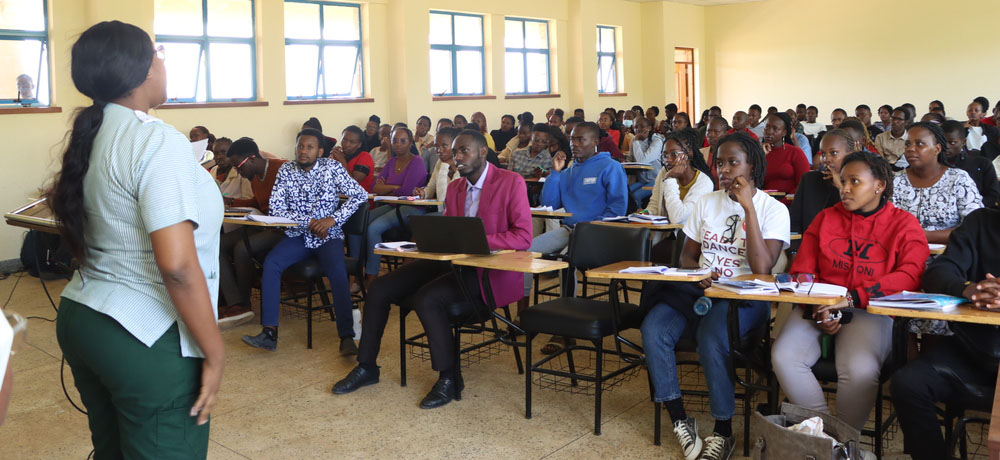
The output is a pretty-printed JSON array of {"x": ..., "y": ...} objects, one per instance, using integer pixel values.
[
  {"x": 381, "y": 153},
  {"x": 328, "y": 142},
  {"x": 820, "y": 189},
  {"x": 355, "y": 161},
  {"x": 521, "y": 140},
  {"x": 532, "y": 161},
  {"x": 970, "y": 356},
  {"x": 593, "y": 188},
  {"x": 372, "y": 139},
  {"x": 460, "y": 121},
  {"x": 736, "y": 230},
  {"x": 500, "y": 199},
  {"x": 444, "y": 170},
  {"x": 892, "y": 142},
  {"x": 683, "y": 178},
  {"x": 646, "y": 149},
  {"x": 231, "y": 183},
  {"x": 423, "y": 140},
  {"x": 810, "y": 127},
  {"x": 236, "y": 270},
  {"x": 979, "y": 133},
  {"x": 628, "y": 122},
  {"x": 717, "y": 129},
  {"x": 741, "y": 123},
  {"x": 864, "y": 114},
  {"x": 308, "y": 192},
  {"x": 507, "y": 131},
  {"x": 786, "y": 163},
  {"x": 605, "y": 121},
  {"x": 980, "y": 169},
  {"x": 429, "y": 154},
  {"x": 887, "y": 256},
  {"x": 479, "y": 119}
]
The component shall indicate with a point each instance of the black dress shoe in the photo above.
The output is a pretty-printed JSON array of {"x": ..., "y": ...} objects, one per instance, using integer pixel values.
[
  {"x": 445, "y": 389},
  {"x": 357, "y": 378}
]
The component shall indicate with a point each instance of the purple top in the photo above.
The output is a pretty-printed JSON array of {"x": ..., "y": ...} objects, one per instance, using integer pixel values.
[{"x": 415, "y": 175}]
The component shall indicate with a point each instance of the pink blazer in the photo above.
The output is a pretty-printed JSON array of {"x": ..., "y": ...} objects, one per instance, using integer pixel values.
[{"x": 506, "y": 215}]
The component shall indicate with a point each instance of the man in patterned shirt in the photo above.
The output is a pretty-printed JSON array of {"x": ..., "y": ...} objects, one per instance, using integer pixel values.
[
  {"x": 308, "y": 192},
  {"x": 530, "y": 162}
]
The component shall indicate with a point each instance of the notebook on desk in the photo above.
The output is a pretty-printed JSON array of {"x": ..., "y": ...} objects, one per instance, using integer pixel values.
[{"x": 449, "y": 234}]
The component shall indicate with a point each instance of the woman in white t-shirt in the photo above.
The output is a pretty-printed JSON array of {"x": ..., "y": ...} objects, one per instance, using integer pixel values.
[
  {"x": 444, "y": 170},
  {"x": 737, "y": 230}
]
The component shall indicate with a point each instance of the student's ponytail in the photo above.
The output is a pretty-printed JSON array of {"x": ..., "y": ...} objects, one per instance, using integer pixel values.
[{"x": 109, "y": 60}]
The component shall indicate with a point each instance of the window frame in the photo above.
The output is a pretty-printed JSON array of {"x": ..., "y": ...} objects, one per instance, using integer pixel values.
[
  {"x": 614, "y": 60},
  {"x": 454, "y": 49},
  {"x": 322, "y": 43},
  {"x": 204, "y": 40},
  {"x": 524, "y": 50},
  {"x": 31, "y": 35}
]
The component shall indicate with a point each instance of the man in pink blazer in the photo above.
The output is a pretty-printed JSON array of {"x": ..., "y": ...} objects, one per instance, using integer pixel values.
[{"x": 500, "y": 199}]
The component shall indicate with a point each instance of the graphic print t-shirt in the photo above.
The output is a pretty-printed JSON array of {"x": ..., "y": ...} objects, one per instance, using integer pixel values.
[{"x": 718, "y": 223}]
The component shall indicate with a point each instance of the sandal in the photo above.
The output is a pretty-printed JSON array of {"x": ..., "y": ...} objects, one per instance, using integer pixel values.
[{"x": 555, "y": 344}]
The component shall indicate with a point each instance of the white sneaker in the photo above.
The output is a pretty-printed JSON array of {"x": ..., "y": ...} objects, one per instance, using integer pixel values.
[
  {"x": 718, "y": 447},
  {"x": 687, "y": 436}
]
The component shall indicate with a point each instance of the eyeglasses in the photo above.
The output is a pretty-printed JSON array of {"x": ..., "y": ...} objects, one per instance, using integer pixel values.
[
  {"x": 787, "y": 282},
  {"x": 20, "y": 325},
  {"x": 729, "y": 234},
  {"x": 161, "y": 52}
]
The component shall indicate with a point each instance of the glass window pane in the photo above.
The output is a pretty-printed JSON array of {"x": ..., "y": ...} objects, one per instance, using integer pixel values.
[
  {"x": 470, "y": 72},
  {"x": 513, "y": 35},
  {"x": 440, "y": 29},
  {"x": 22, "y": 15},
  {"x": 341, "y": 23},
  {"x": 536, "y": 35},
  {"x": 440, "y": 72},
  {"x": 232, "y": 71},
  {"x": 17, "y": 58},
  {"x": 538, "y": 73},
  {"x": 608, "y": 82},
  {"x": 230, "y": 18},
  {"x": 340, "y": 68},
  {"x": 469, "y": 30},
  {"x": 177, "y": 17},
  {"x": 607, "y": 39},
  {"x": 301, "y": 67},
  {"x": 182, "y": 61},
  {"x": 42, "y": 90},
  {"x": 513, "y": 72},
  {"x": 302, "y": 21}
]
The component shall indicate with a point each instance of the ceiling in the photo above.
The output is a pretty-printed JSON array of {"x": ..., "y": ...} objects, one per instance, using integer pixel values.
[{"x": 700, "y": 2}]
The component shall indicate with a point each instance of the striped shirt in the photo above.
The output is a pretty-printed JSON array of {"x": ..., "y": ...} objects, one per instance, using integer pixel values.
[
  {"x": 142, "y": 178},
  {"x": 315, "y": 194}
]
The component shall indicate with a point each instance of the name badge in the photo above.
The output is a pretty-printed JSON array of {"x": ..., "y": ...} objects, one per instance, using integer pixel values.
[{"x": 589, "y": 180}]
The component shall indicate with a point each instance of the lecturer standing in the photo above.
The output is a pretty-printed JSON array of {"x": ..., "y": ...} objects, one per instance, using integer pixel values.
[{"x": 137, "y": 322}]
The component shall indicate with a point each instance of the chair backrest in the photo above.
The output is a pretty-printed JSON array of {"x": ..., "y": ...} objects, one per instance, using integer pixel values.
[
  {"x": 358, "y": 223},
  {"x": 595, "y": 245}
]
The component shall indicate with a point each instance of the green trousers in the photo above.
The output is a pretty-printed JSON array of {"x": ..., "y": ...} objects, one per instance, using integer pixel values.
[{"x": 138, "y": 398}]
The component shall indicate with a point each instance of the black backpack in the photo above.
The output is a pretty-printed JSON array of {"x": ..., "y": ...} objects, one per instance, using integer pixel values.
[{"x": 45, "y": 252}]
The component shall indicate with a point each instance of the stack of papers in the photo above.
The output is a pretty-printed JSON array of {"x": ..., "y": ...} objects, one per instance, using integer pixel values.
[
  {"x": 415, "y": 199},
  {"x": 542, "y": 208},
  {"x": 937, "y": 246},
  {"x": 661, "y": 270},
  {"x": 633, "y": 163},
  {"x": 271, "y": 220},
  {"x": 918, "y": 301},
  {"x": 401, "y": 246},
  {"x": 746, "y": 287},
  {"x": 639, "y": 219},
  {"x": 816, "y": 290}
]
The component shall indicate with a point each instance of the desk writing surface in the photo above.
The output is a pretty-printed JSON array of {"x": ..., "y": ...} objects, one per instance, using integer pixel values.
[
  {"x": 551, "y": 214},
  {"x": 964, "y": 313},
  {"x": 441, "y": 256},
  {"x": 653, "y": 227},
  {"x": 612, "y": 271},
  {"x": 413, "y": 202},
  {"x": 251, "y": 223},
  {"x": 647, "y": 188},
  {"x": 35, "y": 215},
  {"x": 794, "y": 236},
  {"x": 718, "y": 293},
  {"x": 635, "y": 167},
  {"x": 519, "y": 261}
]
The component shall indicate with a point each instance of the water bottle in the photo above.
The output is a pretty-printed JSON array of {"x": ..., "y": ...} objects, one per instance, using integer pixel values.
[{"x": 702, "y": 306}]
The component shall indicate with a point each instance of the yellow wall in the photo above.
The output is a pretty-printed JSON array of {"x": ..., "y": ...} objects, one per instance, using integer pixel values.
[{"x": 841, "y": 53}]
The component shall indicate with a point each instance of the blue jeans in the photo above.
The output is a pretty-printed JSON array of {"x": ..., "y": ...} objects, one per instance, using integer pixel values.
[
  {"x": 292, "y": 250},
  {"x": 381, "y": 220},
  {"x": 637, "y": 194},
  {"x": 548, "y": 242},
  {"x": 663, "y": 327}
]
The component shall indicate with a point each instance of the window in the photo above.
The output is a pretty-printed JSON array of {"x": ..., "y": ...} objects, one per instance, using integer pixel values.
[
  {"x": 607, "y": 60},
  {"x": 526, "y": 69},
  {"x": 323, "y": 50},
  {"x": 457, "y": 64},
  {"x": 209, "y": 49},
  {"x": 24, "y": 57}
]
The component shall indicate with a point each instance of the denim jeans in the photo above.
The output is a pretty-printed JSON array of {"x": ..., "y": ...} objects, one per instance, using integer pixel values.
[
  {"x": 381, "y": 220},
  {"x": 292, "y": 250},
  {"x": 548, "y": 242},
  {"x": 662, "y": 329},
  {"x": 637, "y": 194}
]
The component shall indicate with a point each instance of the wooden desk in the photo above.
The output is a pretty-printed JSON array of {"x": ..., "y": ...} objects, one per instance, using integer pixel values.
[
  {"x": 412, "y": 202},
  {"x": 937, "y": 251},
  {"x": 250, "y": 223},
  {"x": 613, "y": 272},
  {"x": 719, "y": 293},
  {"x": 776, "y": 194},
  {"x": 795, "y": 236},
  {"x": 551, "y": 214},
  {"x": 534, "y": 180},
  {"x": 636, "y": 168},
  {"x": 654, "y": 227},
  {"x": 33, "y": 216},
  {"x": 964, "y": 313},
  {"x": 647, "y": 188},
  {"x": 439, "y": 256},
  {"x": 514, "y": 261}
]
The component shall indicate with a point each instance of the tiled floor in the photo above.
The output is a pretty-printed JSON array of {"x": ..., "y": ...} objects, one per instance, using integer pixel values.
[{"x": 279, "y": 406}]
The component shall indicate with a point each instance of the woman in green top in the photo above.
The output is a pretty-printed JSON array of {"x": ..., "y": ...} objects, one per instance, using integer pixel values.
[{"x": 137, "y": 322}]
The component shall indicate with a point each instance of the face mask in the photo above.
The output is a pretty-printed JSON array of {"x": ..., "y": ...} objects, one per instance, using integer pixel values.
[{"x": 627, "y": 123}]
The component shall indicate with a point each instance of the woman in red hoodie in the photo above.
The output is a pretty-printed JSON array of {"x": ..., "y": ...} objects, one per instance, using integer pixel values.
[{"x": 874, "y": 249}]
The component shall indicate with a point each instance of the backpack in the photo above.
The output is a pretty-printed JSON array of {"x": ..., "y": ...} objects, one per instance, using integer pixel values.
[{"x": 45, "y": 252}]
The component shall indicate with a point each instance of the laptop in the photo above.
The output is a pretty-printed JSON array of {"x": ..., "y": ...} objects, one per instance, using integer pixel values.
[{"x": 449, "y": 234}]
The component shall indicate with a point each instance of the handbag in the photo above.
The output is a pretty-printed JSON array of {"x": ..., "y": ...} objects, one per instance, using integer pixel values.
[{"x": 774, "y": 441}]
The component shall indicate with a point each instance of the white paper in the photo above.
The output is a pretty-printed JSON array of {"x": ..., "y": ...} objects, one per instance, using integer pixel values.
[
  {"x": 542, "y": 208},
  {"x": 937, "y": 246},
  {"x": 401, "y": 246},
  {"x": 199, "y": 149},
  {"x": 661, "y": 270},
  {"x": 818, "y": 289},
  {"x": 271, "y": 220}
]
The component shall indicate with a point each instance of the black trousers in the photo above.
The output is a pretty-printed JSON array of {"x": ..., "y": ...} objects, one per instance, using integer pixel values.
[
  {"x": 938, "y": 375},
  {"x": 428, "y": 287},
  {"x": 236, "y": 270}
]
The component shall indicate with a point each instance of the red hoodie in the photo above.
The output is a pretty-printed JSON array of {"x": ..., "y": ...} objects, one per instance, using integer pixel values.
[{"x": 873, "y": 256}]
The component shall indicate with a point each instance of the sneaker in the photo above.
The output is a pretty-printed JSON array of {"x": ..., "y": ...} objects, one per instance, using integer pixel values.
[
  {"x": 262, "y": 341},
  {"x": 717, "y": 447},
  {"x": 347, "y": 347},
  {"x": 687, "y": 436},
  {"x": 234, "y": 315}
]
